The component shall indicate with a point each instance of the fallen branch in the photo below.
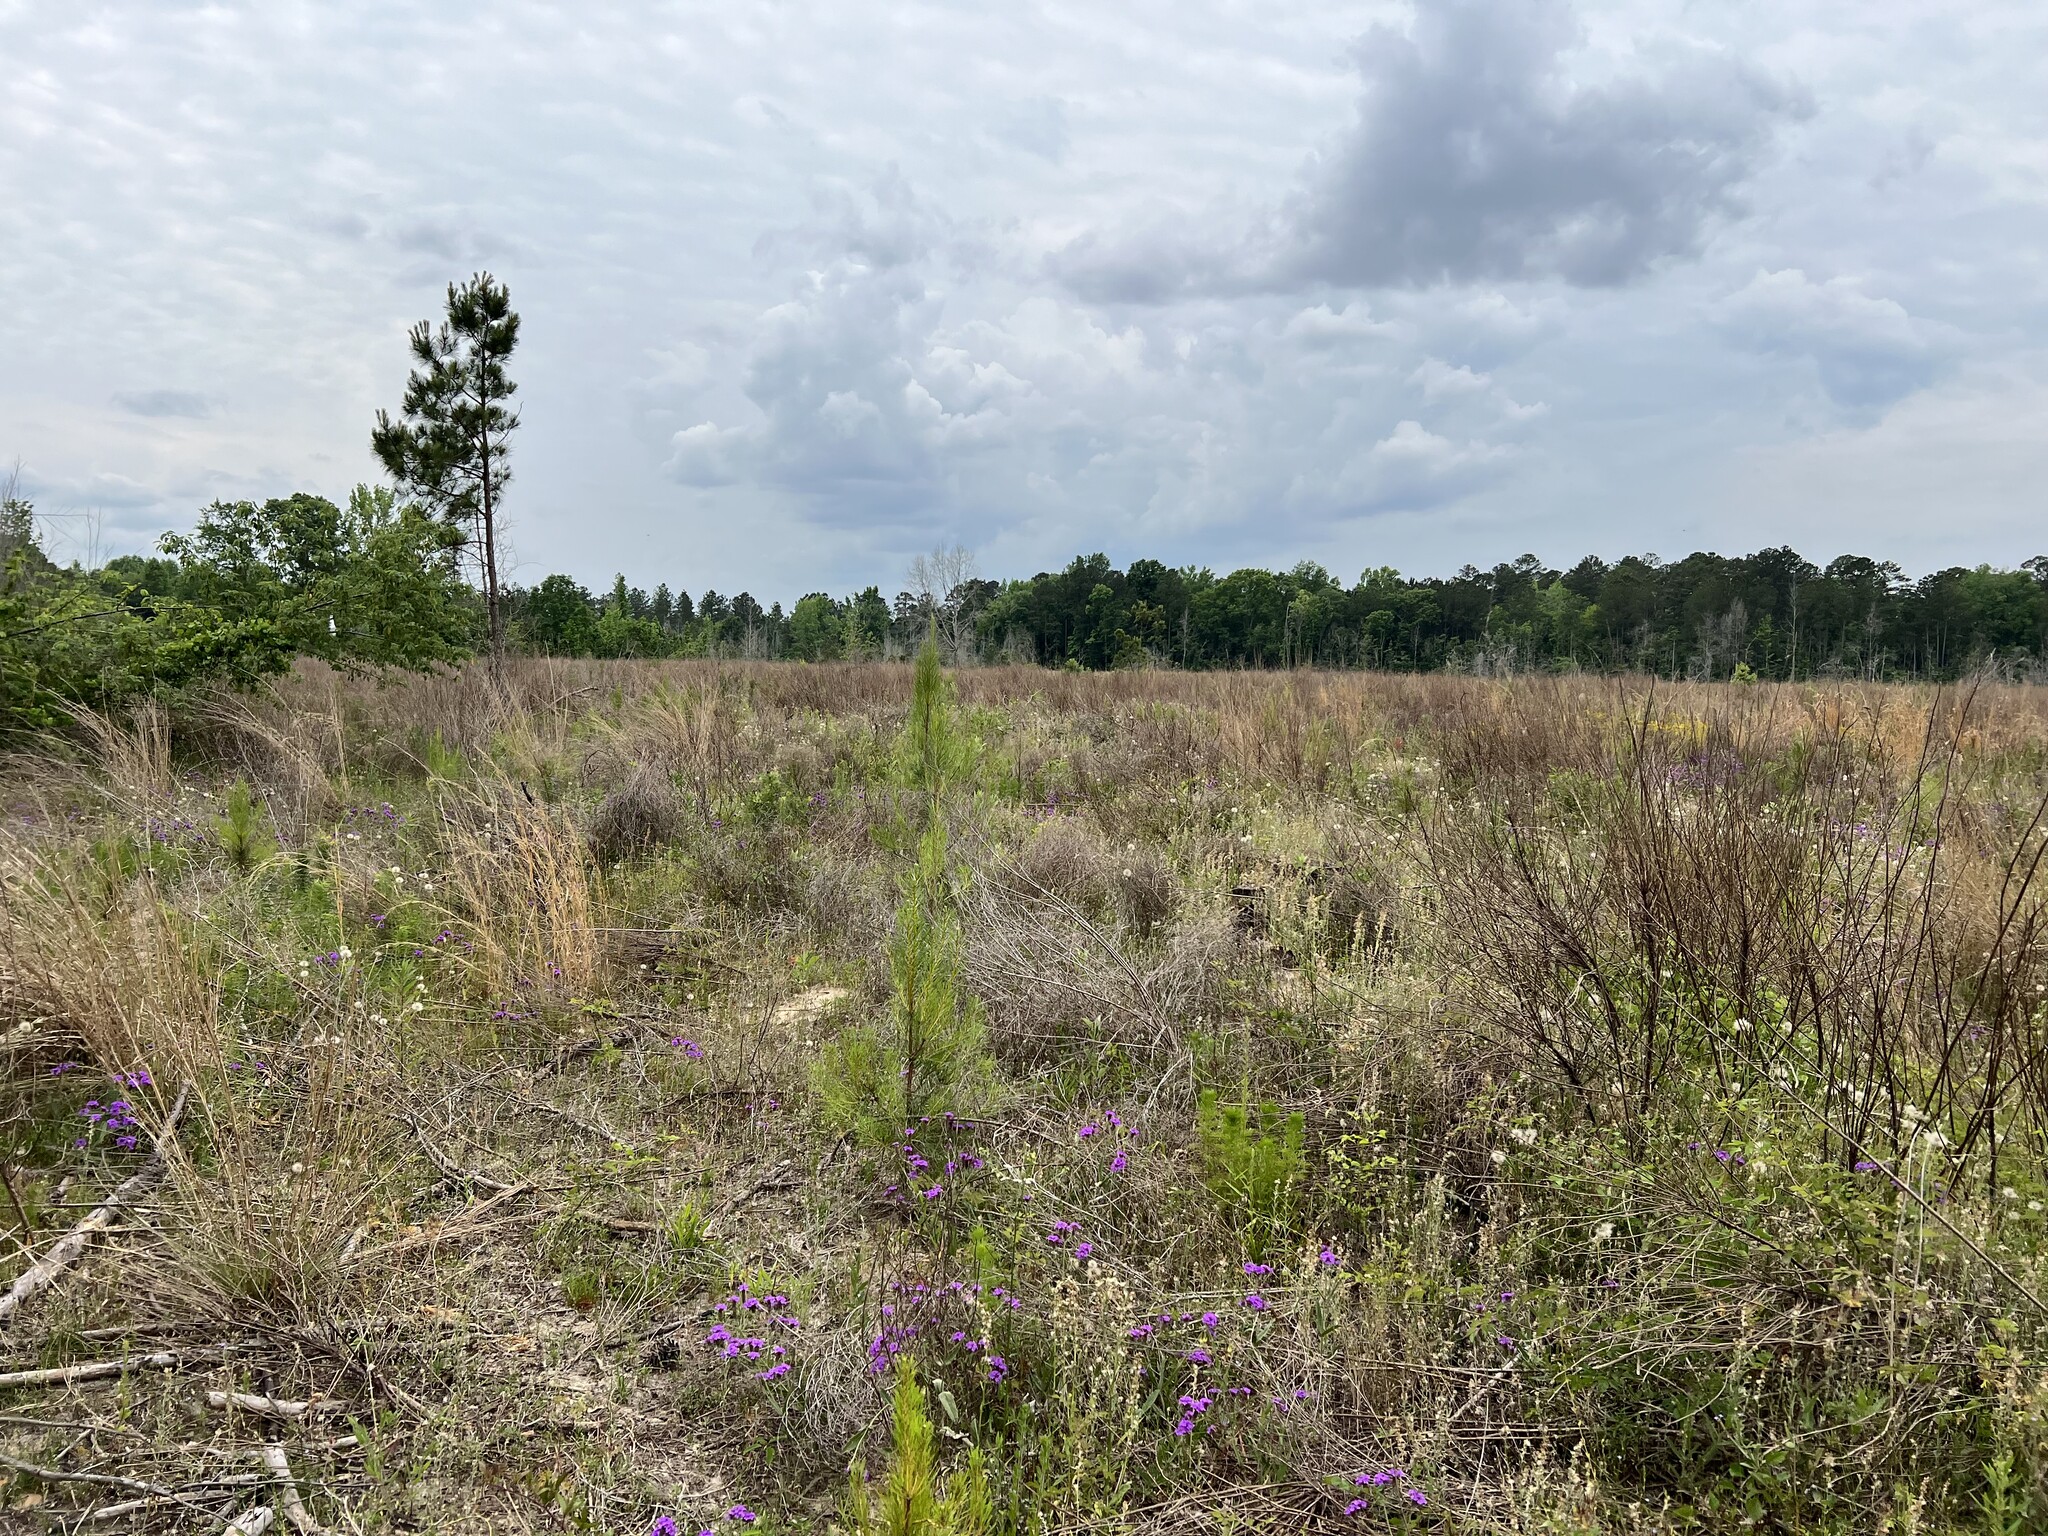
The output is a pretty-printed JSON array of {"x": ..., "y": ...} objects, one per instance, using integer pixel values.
[
  {"x": 153, "y": 1500},
  {"x": 288, "y": 1499},
  {"x": 453, "y": 1171},
  {"x": 275, "y": 1407},
  {"x": 43, "y": 1273},
  {"x": 775, "y": 1178},
  {"x": 64, "y": 1375},
  {"x": 105, "y": 1480},
  {"x": 254, "y": 1523}
]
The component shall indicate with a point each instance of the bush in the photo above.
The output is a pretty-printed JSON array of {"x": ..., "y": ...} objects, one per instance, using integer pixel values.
[{"x": 641, "y": 815}]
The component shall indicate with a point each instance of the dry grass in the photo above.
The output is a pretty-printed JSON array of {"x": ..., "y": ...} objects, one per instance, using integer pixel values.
[{"x": 503, "y": 1025}]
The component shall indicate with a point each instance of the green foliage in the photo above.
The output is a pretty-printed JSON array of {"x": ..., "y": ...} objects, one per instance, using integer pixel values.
[
  {"x": 817, "y": 629},
  {"x": 449, "y": 450},
  {"x": 932, "y": 1051},
  {"x": 369, "y": 587},
  {"x": 241, "y": 836},
  {"x": 912, "y": 1499},
  {"x": 1252, "y": 1164},
  {"x": 364, "y": 588},
  {"x": 934, "y": 754}
]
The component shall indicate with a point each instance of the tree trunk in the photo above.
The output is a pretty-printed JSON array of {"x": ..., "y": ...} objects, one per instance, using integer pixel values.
[{"x": 490, "y": 521}]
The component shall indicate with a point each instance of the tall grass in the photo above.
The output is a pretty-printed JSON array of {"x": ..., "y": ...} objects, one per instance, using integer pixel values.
[{"x": 1277, "y": 1101}]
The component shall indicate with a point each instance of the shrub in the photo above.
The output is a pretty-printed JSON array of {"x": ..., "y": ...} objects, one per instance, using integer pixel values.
[{"x": 639, "y": 816}]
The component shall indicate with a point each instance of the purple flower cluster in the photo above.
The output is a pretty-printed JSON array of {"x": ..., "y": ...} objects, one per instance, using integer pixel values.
[
  {"x": 448, "y": 936},
  {"x": 382, "y": 814},
  {"x": 956, "y": 1315},
  {"x": 665, "y": 1525},
  {"x": 1111, "y": 1125},
  {"x": 169, "y": 830},
  {"x": 741, "y": 1306},
  {"x": 919, "y": 1178},
  {"x": 115, "y": 1119},
  {"x": 689, "y": 1048},
  {"x": 1386, "y": 1477},
  {"x": 1046, "y": 809}
]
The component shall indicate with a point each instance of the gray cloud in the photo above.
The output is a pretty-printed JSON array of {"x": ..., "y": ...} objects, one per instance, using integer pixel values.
[
  {"x": 1477, "y": 157},
  {"x": 162, "y": 402},
  {"x": 1867, "y": 352}
]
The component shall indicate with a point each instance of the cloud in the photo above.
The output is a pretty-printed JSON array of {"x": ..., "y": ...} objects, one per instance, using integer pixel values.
[
  {"x": 1164, "y": 282},
  {"x": 1437, "y": 380},
  {"x": 1476, "y": 156},
  {"x": 1037, "y": 127},
  {"x": 162, "y": 402},
  {"x": 1410, "y": 469},
  {"x": 1867, "y": 352},
  {"x": 1321, "y": 327}
]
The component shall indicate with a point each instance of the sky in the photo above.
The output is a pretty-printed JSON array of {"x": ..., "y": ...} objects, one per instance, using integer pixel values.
[{"x": 808, "y": 289}]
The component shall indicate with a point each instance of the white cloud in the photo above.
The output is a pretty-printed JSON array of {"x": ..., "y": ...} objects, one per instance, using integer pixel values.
[
  {"x": 1500, "y": 275},
  {"x": 1867, "y": 351},
  {"x": 1438, "y": 380}
]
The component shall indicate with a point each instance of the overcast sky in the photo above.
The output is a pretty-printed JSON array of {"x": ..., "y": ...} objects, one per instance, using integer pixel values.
[{"x": 808, "y": 288}]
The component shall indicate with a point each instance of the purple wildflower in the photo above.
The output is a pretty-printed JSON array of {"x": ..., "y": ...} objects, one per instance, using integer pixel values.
[{"x": 1256, "y": 1302}]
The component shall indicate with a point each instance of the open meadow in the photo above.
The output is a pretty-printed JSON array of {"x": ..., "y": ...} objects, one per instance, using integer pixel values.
[{"x": 620, "y": 1097}]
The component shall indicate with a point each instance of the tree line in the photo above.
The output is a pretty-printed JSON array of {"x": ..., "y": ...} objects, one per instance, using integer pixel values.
[
  {"x": 1772, "y": 614},
  {"x": 406, "y": 576}
]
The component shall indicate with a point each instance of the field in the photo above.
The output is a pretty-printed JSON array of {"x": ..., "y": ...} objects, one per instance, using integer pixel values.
[{"x": 623, "y": 1097}]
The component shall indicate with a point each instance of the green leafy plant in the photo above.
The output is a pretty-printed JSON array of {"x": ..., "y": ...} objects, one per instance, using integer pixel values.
[
  {"x": 1251, "y": 1162},
  {"x": 931, "y": 1049},
  {"x": 913, "y": 1499},
  {"x": 240, "y": 830}
]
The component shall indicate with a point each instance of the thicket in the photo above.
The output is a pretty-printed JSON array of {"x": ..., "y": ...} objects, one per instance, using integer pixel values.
[{"x": 369, "y": 587}]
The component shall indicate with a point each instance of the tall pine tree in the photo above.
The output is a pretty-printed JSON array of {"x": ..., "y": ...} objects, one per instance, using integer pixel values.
[{"x": 449, "y": 448}]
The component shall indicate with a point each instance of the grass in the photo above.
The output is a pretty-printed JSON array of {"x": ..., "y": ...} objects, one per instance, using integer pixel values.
[{"x": 1357, "y": 1103}]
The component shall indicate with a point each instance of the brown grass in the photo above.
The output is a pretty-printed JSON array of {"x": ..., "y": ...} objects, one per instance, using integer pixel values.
[{"x": 504, "y": 1068}]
